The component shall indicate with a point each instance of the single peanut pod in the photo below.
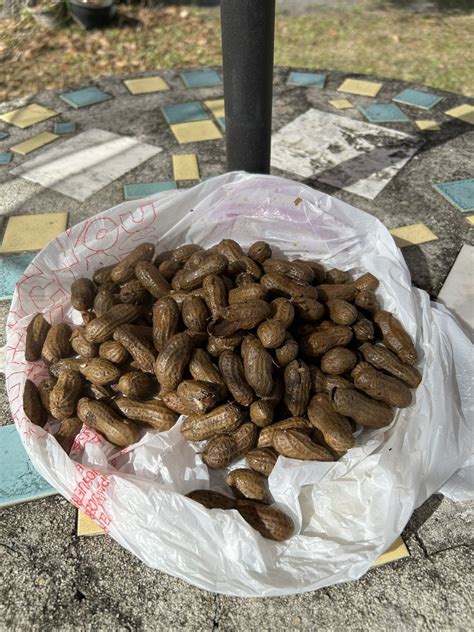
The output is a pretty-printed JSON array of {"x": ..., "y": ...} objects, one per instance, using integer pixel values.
[
  {"x": 216, "y": 293},
  {"x": 219, "y": 452},
  {"x": 183, "y": 253},
  {"x": 384, "y": 388},
  {"x": 44, "y": 389},
  {"x": 248, "y": 484},
  {"x": 341, "y": 312},
  {"x": 192, "y": 279},
  {"x": 297, "y": 387},
  {"x": 172, "y": 361},
  {"x": 141, "y": 351},
  {"x": 232, "y": 370},
  {"x": 260, "y": 251},
  {"x": 230, "y": 249},
  {"x": 247, "y": 292},
  {"x": 287, "y": 352},
  {"x": 67, "y": 364},
  {"x": 144, "y": 332},
  {"x": 67, "y": 432},
  {"x": 265, "y": 439},
  {"x": 359, "y": 367},
  {"x": 198, "y": 395},
  {"x": 195, "y": 313},
  {"x": 282, "y": 309},
  {"x": 319, "y": 342},
  {"x": 246, "y": 264},
  {"x": 262, "y": 412},
  {"x": 258, "y": 366},
  {"x": 176, "y": 281},
  {"x": 168, "y": 269},
  {"x": 296, "y": 445},
  {"x": 103, "y": 327},
  {"x": 196, "y": 259},
  {"x": 32, "y": 405},
  {"x": 222, "y": 419},
  {"x": 338, "y": 360},
  {"x": 99, "y": 393},
  {"x": 162, "y": 256},
  {"x": 247, "y": 315},
  {"x": 201, "y": 367},
  {"x": 269, "y": 522},
  {"x": 57, "y": 343},
  {"x": 65, "y": 394},
  {"x": 335, "y": 428},
  {"x": 322, "y": 383},
  {"x": 362, "y": 409},
  {"x": 125, "y": 270},
  {"x": 366, "y": 282},
  {"x": 342, "y": 291},
  {"x": 87, "y": 317},
  {"x": 245, "y": 438},
  {"x": 262, "y": 460},
  {"x": 281, "y": 284},
  {"x": 366, "y": 299},
  {"x": 382, "y": 358},
  {"x": 81, "y": 346},
  {"x": 152, "y": 279},
  {"x": 271, "y": 333},
  {"x": 211, "y": 500},
  {"x": 336, "y": 277},
  {"x": 296, "y": 270},
  {"x": 135, "y": 384},
  {"x": 103, "y": 301},
  {"x": 113, "y": 351},
  {"x": 318, "y": 269},
  {"x": 82, "y": 294},
  {"x": 151, "y": 412},
  {"x": 102, "y": 418},
  {"x": 36, "y": 333},
  {"x": 395, "y": 337},
  {"x": 244, "y": 278},
  {"x": 100, "y": 371},
  {"x": 175, "y": 403},
  {"x": 133, "y": 293},
  {"x": 103, "y": 275},
  {"x": 308, "y": 309},
  {"x": 166, "y": 319},
  {"x": 363, "y": 329},
  {"x": 216, "y": 345}
]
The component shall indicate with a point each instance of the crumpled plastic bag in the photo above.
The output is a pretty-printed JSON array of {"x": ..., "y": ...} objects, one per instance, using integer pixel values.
[{"x": 346, "y": 513}]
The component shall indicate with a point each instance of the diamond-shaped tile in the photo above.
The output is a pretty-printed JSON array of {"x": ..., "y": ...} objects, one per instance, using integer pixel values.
[
  {"x": 11, "y": 269},
  {"x": 412, "y": 235},
  {"x": 28, "y": 115},
  {"x": 36, "y": 142},
  {"x": 427, "y": 124},
  {"x": 215, "y": 106},
  {"x": 32, "y": 232},
  {"x": 5, "y": 157},
  {"x": 196, "y": 131},
  {"x": 463, "y": 112},
  {"x": 363, "y": 88},
  {"x": 201, "y": 79},
  {"x": 317, "y": 79},
  {"x": 86, "y": 96},
  {"x": 4, "y": 135},
  {"x": 460, "y": 193},
  {"x": 145, "y": 85},
  {"x": 137, "y": 191},
  {"x": 184, "y": 112},
  {"x": 416, "y": 98},
  {"x": 341, "y": 104},
  {"x": 383, "y": 113}
]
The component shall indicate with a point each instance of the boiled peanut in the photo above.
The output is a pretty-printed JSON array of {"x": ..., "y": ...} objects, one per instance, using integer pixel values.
[
  {"x": 212, "y": 500},
  {"x": 341, "y": 312},
  {"x": 44, "y": 389},
  {"x": 172, "y": 361},
  {"x": 297, "y": 387},
  {"x": 103, "y": 301},
  {"x": 191, "y": 279},
  {"x": 216, "y": 345},
  {"x": 319, "y": 342},
  {"x": 36, "y": 333},
  {"x": 362, "y": 409},
  {"x": 103, "y": 327},
  {"x": 99, "y": 393},
  {"x": 338, "y": 360},
  {"x": 366, "y": 282},
  {"x": 248, "y": 484},
  {"x": 296, "y": 270},
  {"x": 245, "y": 438},
  {"x": 258, "y": 366},
  {"x": 168, "y": 269},
  {"x": 265, "y": 439},
  {"x": 336, "y": 277},
  {"x": 141, "y": 352},
  {"x": 246, "y": 315},
  {"x": 262, "y": 412},
  {"x": 175, "y": 403},
  {"x": 308, "y": 309},
  {"x": 232, "y": 370},
  {"x": 395, "y": 337},
  {"x": 100, "y": 371},
  {"x": 335, "y": 428},
  {"x": 287, "y": 352},
  {"x": 219, "y": 452},
  {"x": 87, "y": 317},
  {"x": 102, "y": 418},
  {"x": 67, "y": 432},
  {"x": 32, "y": 405},
  {"x": 344, "y": 292},
  {"x": 151, "y": 412},
  {"x": 262, "y": 460},
  {"x": 272, "y": 333},
  {"x": 198, "y": 395},
  {"x": 135, "y": 384},
  {"x": 282, "y": 310},
  {"x": 363, "y": 329},
  {"x": 201, "y": 367},
  {"x": 244, "y": 278},
  {"x": 195, "y": 259},
  {"x": 125, "y": 270},
  {"x": 318, "y": 269},
  {"x": 66, "y": 364},
  {"x": 260, "y": 251},
  {"x": 183, "y": 253},
  {"x": 82, "y": 294},
  {"x": 269, "y": 522},
  {"x": 65, "y": 394},
  {"x": 248, "y": 265},
  {"x": 151, "y": 279},
  {"x": 57, "y": 343},
  {"x": 195, "y": 313},
  {"x": 221, "y": 420},
  {"x": 383, "y": 387},
  {"x": 322, "y": 383},
  {"x": 81, "y": 346},
  {"x": 103, "y": 275},
  {"x": 247, "y": 292},
  {"x": 366, "y": 299},
  {"x": 281, "y": 284},
  {"x": 165, "y": 321},
  {"x": 113, "y": 351},
  {"x": 216, "y": 293},
  {"x": 133, "y": 293},
  {"x": 296, "y": 445},
  {"x": 382, "y": 358}
]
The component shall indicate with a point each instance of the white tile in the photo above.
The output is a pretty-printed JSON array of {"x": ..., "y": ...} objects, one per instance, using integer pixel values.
[
  {"x": 457, "y": 292},
  {"x": 86, "y": 163},
  {"x": 343, "y": 152}
]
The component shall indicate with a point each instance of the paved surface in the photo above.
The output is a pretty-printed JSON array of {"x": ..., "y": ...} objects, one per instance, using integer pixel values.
[{"x": 52, "y": 580}]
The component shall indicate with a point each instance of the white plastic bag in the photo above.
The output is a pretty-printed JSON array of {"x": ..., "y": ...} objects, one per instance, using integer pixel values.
[{"x": 346, "y": 513}]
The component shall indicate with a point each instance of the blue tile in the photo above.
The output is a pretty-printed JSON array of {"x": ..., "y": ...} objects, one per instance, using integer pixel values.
[
  {"x": 317, "y": 79},
  {"x": 423, "y": 100},
  {"x": 201, "y": 79},
  {"x": 19, "y": 481},
  {"x": 137, "y": 191},
  {"x": 184, "y": 112},
  {"x": 4, "y": 135},
  {"x": 220, "y": 120},
  {"x": 383, "y": 113},
  {"x": 5, "y": 157},
  {"x": 67, "y": 127},
  {"x": 11, "y": 269},
  {"x": 460, "y": 193},
  {"x": 86, "y": 96}
]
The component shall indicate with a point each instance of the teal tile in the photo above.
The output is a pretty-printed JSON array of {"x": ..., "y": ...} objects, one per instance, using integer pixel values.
[
  {"x": 201, "y": 79},
  {"x": 86, "y": 96},
  {"x": 317, "y": 79},
  {"x": 5, "y": 157},
  {"x": 383, "y": 113},
  {"x": 4, "y": 135},
  {"x": 184, "y": 112},
  {"x": 221, "y": 122},
  {"x": 137, "y": 191},
  {"x": 423, "y": 100},
  {"x": 460, "y": 193},
  {"x": 65, "y": 127},
  {"x": 11, "y": 269},
  {"x": 19, "y": 481}
]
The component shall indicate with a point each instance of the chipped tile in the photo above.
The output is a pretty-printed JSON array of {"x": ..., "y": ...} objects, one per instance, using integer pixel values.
[
  {"x": 418, "y": 99},
  {"x": 397, "y": 551},
  {"x": 427, "y": 124},
  {"x": 32, "y": 232},
  {"x": 145, "y": 85},
  {"x": 216, "y": 107},
  {"x": 196, "y": 131},
  {"x": 317, "y": 79},
  {"x": 185, "y": 167},
  {"x": 11, "y": 269},
  {"x": 5, "y": 157},
  {"x": 184, "y": 112},
  {"x": 64, "y": 127},
  {"x": 28, "y": 115},
  {"x": 412, "y": 235},
  {"x": 27, "y": 146},
  {"x": 138, "y": 191},
  {"x": 86, "y": 526},
  {"x": 463, "y": 112},
  {"x": 470, "y": 219},
  {"x": 460, "y": 193},
  {"x": 363, "y": 88},
  {"x": 4, "y": 135},
  {"x": 221, "y": 122},
  {"x": 201, "y": 79},
  {"x": 383, "y": 113},
  {"x": 86, "y": 96},
  {"x": 341, "y": 104}
]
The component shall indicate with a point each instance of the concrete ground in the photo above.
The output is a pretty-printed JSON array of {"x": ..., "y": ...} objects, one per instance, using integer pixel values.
[{"x": 52, "y": 580}]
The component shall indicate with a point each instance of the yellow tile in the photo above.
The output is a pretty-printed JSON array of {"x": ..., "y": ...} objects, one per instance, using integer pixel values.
[
  {"x": 146, "y": 84},
  {"x": 464, "y": 112},
  {"x": 32, "y": 232},
  {"x": 185, "y": 167},
  {"x": 413, "y": 234},
  {"x": 216, "y": 107},
  {"x": 397, "y": 551},
  {"x": 195, "y": 131},
  {"x": 86, "y": 526},
  {"x": 34, "y": 143},
  {"x": 470, "y": 219},
  {"x": 364, "y": 88},
  {"x": 426, "y": 124},
  {"x": 341, "y": 104},
  {"x": 28, "y": 115}
]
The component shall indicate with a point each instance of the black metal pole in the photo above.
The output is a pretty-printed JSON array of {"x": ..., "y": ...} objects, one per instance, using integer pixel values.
[{"x": 248, "y": 28}]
